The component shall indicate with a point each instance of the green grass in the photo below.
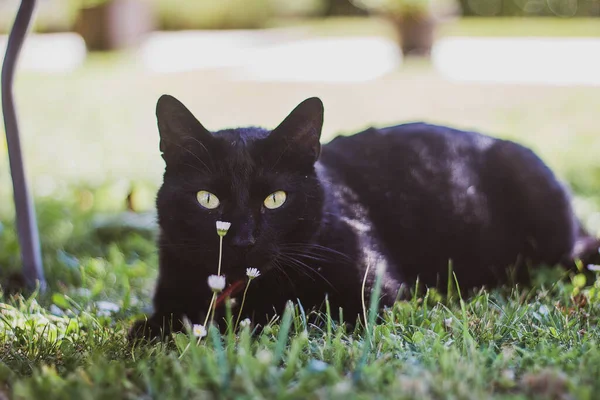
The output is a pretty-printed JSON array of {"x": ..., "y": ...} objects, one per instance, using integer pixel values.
[
  {"x": 90, "y": 139},
  {"x": 509, "y": 344}
]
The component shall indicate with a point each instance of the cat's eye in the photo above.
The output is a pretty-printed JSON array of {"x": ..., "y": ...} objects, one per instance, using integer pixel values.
[
  {"x": 208, "y": 200},
  {"x": 275, "y": 200}
]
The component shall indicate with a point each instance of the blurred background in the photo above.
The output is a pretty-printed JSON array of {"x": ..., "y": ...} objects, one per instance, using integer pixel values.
[{"x": 92, "y": 70}]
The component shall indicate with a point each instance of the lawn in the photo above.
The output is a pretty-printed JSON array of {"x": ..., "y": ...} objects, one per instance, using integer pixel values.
[{"x": 90, "y": 139}]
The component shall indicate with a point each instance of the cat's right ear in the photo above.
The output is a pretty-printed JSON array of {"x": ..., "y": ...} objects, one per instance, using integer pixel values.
[
  {"x": 176, "y": 125},
  {"x": 299, "y": 133}
]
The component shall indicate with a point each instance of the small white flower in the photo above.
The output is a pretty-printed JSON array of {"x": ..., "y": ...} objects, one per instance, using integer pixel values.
[
  {"x": 55, "y": 310},
  {"x": 41, "y": 320},
  {"x": 199, "y": 330},
  {"x": 508, "y": 374},
  {"x": 264, "y": 356},
  {"x": 447, "y": 322},
  {"x": 216, "y": 282},
  {"x": 245, "y": 322},
  {"x": 223, "y": 227},
  {"x": 593, "y": 267},
  {"x": 106, "y": 308},
  {"x": 342, "y": 388},
  {"x": 252, "y": 273}
]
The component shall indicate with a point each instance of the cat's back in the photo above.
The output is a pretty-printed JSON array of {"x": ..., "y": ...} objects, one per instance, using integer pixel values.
[
  {"x": 376, "y": 147},
  {"x": 414, "y": 176},
  {"x": 409, "y": 154},
  {"x": 435, "y": 193}
]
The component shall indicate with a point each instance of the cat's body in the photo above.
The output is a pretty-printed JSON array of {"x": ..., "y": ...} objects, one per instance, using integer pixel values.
[{"x": 409, "y": 198}]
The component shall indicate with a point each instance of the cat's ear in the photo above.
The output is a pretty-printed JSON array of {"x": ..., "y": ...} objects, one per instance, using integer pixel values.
[
  {"x": 176, "y": 125},
  {"x": 300, "y": 131}
]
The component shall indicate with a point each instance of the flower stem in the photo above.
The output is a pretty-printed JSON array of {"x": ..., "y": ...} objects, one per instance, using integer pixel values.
[
  {"x": 362, "y": 296},
  {"x": 212, "y": 312},
  {"x": 237, "y": 321},
  {"x": 210, "y": 308},
  {"x": 220, "y": 254}
]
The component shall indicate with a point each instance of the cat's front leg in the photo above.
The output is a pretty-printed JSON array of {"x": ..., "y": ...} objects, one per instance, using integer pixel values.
[
  {"x": 157, "y": 327},
  {"x": 171, "y": 307}
]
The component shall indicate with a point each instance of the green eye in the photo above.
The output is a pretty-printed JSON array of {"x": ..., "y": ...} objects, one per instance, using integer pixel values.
[
  {"x": 275, "y": 200},
  {"x": 207, "y": 200}
]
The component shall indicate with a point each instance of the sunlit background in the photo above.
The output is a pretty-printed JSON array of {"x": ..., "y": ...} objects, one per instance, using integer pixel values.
[
  {"x": 91, "y": 72},
  {"x": 89, "y": 77}
]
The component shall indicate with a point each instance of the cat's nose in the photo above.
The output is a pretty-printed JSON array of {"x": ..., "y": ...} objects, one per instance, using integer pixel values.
[
  {"x": 243, "y": 232},
  {"x": 243, "y": 241}
]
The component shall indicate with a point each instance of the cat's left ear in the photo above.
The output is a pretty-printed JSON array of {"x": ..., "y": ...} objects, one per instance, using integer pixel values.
[
  {"x": 300, "y": 131},
  {"x": 177, "y": 127}
]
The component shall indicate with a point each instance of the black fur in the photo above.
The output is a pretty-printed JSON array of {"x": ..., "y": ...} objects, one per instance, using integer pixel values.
[{"x": 411, "y": 197}]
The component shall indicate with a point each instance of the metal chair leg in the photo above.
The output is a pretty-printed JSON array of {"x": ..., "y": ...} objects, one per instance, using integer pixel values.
[{"x": 26, "y": 220}]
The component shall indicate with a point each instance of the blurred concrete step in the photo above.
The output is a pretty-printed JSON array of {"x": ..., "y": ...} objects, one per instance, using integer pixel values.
[
  {"x": 51, "y": 52},
  {"x": 522, "y": 60}
]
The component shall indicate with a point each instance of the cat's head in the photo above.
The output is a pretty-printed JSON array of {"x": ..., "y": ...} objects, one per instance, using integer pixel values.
[{"x": 262, "y": 182}]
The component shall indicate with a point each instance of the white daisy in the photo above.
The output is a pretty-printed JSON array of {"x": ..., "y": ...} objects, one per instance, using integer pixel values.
[
  {"x": 252, "y": 273},
  {"x": 199, "y": 330},
  {"x": 216, "y": 282},
  {"x": 264, "y": 356},
  {"x": 245, "y": 322},
  {"x": 223, "y": 227}
]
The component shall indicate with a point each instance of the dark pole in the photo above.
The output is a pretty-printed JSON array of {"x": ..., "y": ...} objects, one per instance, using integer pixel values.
[{"x": 26, "y": 222}]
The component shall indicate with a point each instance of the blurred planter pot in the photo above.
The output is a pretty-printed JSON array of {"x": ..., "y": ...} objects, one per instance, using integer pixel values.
[
  {"x": 114, "y": 24},
  {"x": 415, "y": 33},
  {"x": 415, "y": 21}
]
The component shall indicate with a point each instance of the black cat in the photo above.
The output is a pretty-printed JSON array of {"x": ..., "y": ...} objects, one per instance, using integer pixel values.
[{"x": 311, "y": 218}]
